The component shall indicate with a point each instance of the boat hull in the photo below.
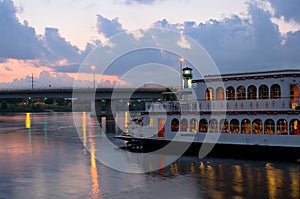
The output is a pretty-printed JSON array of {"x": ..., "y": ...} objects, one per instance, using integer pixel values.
[{"x": 220, "y": 150}]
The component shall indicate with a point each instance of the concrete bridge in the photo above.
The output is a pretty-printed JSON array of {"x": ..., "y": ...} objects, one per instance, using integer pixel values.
[
  {"x": 85, "y": 93},
  {"x": 99, "y": 97}
]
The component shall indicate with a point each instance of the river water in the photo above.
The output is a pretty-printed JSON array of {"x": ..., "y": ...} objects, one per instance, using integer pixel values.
[{"x": 43, "y": 156}]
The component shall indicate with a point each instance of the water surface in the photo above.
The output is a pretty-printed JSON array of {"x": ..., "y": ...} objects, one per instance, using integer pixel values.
[{"x": 42, "y": 156}]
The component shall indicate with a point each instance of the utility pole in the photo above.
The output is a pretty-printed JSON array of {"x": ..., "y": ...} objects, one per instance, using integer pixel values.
[{"x": 32, "y": 81}]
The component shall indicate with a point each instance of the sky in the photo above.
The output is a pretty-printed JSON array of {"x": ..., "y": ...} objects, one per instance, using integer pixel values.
[{"x": 51, "y": 38}]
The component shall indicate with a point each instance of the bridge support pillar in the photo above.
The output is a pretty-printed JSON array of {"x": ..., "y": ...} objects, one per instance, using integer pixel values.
[{"x": 103, "y": 108}]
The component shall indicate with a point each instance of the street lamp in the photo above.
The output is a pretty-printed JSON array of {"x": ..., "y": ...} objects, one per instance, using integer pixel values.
[
  {"x": 94, "y": 83},
  {"x": 181, "y": 63}
]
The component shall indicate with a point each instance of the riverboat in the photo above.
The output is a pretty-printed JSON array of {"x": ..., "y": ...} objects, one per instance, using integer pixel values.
[{"x": 237, "y": 115}]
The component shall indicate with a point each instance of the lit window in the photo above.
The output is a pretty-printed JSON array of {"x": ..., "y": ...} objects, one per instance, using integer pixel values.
[
  {"x": 282, "y": 128},
  {"x": 230, "y": 93},
  {"x": 194, "y": 125},
  {"x": 257, "y": 126},
  {"x": 241, "y": 93},
  {"x": 175, "y": 125},
  {"x": 234, "y": 126},
  {"x": 209, "y": 94},
  {"x": 150, "y": 121},
  {"x": 269, "y": 126},
  {"x": 252, "y": 92},
  {"x": 203, "y": 125},
  {"x": 263, "y": 92},
  {"x": 275, "y": 92},
  {"x": 184, "y": 125},
  {"x": 224, "y": 126},
  {"x": 246, "y": 126}
]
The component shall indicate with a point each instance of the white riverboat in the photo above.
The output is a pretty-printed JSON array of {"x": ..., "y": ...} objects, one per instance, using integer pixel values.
[{"x": 253, "y": 114}]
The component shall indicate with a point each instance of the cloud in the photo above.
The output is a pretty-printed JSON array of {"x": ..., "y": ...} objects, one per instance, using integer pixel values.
[
  {"x": 243, "y": 44},
  {"x": 57, "y": 46},
  {"x": 43, "y": 80},
  {"x": 108, "y": 27},
  {"x": 183, "y": 42},
  {"x": 17, "y": 40},
  {"x": 7, "y": 68},
  {"x": 289, "y": 9}
]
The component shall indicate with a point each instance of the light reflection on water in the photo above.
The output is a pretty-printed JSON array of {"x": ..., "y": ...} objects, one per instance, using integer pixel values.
[{"x": 41, "y": 156}]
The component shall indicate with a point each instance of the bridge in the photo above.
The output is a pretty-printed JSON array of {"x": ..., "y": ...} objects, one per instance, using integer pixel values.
[
  {"x": 100, "y": 97},
  {"x": 85, "y": 93}
]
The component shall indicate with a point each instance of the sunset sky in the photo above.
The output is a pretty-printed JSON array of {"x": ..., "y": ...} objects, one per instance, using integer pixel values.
[{"x": 51, "y": 38}]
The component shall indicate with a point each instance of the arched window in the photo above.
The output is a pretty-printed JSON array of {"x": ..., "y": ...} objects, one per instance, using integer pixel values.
[
  {"x": 209, "y": 94},
  {"x": 294, "y": 127},
  {"x": 175, "y": 125},
  {"x": 257, "y": 126},
  {"x": 246, "y": 126},
  {"x": 263, "y": 92},
  {"x": 234, "y": 126},
  {"x": 184, "y": 125},
  {"x": 223, "y": 126},
  {"x": 230, "y": 93},
  {"x": 275, "y": 91},
  {"x": 220, "y": 93},
  {"x": 252, "y": 92},
  {"x": 213, "y": 126},
  {"x": 203, "y": 125},
  {"x": 194, "y": 125},
  {"x": 269, "y": 127},
  {"x": 241, "y": 93},
  {"x": 282, "y": 127}
]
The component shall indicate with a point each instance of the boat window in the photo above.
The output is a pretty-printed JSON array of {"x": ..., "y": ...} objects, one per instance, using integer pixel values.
[
  {"x": 184, "y": 125},
  {"x": 203, "y": 125},
  {"x": 257, "y": 126},
  {"x": 209, "y": 94},
  {"x": 150, "y": 121},
  {"x": 263, "y": 92},
  {"x": 282, "y": 128},
  {"x": 275, "y": 91},
  {"x": 220, "y": 93},
  {"x": 246, "y": 126},
  {"x": 213, "y": 126},
  {"x": 230, "y": 93},
  {"x": 294, "y": 127},
  {"x": 175, "y": 125},
  {"x": 294, "y": 95},
  {"x": 234, "y": 126},
  {"x": 269, "y": 127},
  {"x": 223, "y": 126},
  {"x": 252, "y": 92},
  {"x": 241, "y": 93},
  {"x": 194, "y": 125},
  {"x": 161, "y": 127}
]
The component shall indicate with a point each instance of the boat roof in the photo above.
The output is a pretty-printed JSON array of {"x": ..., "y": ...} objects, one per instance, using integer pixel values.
[{"x": 252, "y": 75}]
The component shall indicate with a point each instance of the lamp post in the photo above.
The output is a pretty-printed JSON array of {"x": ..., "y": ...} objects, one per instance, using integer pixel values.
[
  {"x": 93, "y": 111},
  {"x": 94, "y": 83},
  {"x": 181, "y": 65}
]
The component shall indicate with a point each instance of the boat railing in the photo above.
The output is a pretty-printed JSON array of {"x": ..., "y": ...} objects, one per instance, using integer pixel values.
[{"x": 221, "y": 105}]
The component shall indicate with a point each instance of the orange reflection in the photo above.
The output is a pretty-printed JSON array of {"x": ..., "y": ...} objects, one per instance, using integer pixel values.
[
  {"x": 84, "y": 130},
  {"x": 174, "y": 169},
  {"x": 28, "y": 121},
  {"x": 237, "y": 179},
  {"x": 295, "y": 185},
  {"x": 93, "y": 168},
  {"x": 94, "y": 171},
  {"x": 28, "y": 125},
  {"x": 126, "y": 122}
]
